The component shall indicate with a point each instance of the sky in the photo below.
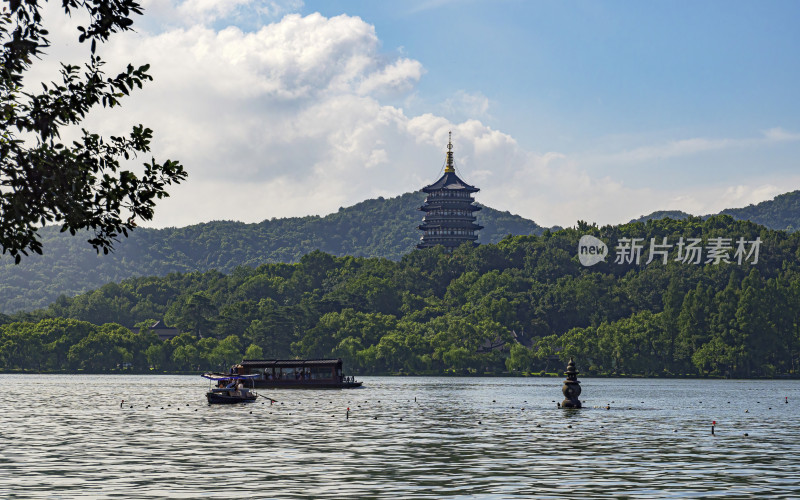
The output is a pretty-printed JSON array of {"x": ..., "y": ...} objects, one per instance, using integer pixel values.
[{"x": 560, "y": 111}]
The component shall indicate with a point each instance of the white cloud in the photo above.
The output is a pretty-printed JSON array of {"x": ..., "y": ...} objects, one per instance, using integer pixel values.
[
  {"x": 184, "y": 13},
  {"x": 777, "y": 134},
  {"x": 287, "y": 119},
  {"x": 398, "y": 77},
  {"x": 670, "y": 150},
  {"x": 206, "y": 11},
  {"x": 465, "y": 104},
  {"x": 693, "y": 146}
]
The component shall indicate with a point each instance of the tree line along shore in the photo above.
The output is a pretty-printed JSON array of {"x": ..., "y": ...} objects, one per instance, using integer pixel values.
[{"x": 521, "y": 306}]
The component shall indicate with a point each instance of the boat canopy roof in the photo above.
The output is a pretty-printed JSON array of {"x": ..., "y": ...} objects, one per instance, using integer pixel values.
[
  {"x": 226, "y": 376},
  {"x": 290, "y": 363}
]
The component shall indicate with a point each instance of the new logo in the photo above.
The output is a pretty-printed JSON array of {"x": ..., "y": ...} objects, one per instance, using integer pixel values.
[{"x": 591, "y": 250}]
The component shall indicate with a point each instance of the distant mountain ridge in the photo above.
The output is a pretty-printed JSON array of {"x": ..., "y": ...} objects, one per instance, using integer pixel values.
[
  {"x": 781, "y": 213},
  {"x": 373, "y": 228}
]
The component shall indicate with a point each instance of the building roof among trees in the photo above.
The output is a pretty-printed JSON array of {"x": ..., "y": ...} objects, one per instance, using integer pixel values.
[{"x": 163, "y": 331}]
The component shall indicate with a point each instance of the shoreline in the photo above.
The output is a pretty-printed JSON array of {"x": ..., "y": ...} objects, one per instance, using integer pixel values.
[{"x": 423, "y": 375}]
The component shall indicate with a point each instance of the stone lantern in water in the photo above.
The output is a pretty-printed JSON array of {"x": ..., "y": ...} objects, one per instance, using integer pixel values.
[{"x": 571, "y": 387}]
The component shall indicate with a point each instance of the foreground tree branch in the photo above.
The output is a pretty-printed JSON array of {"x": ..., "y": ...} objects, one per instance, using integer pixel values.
[{"x": 80, "y": 185}]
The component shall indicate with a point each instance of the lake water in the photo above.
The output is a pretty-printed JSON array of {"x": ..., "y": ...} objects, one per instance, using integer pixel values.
[{"x": 65, "y": 436}]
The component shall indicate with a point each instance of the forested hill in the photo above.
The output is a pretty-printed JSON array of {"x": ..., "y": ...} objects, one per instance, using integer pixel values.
[
  {"x": 373, "y": 228},
  {"x": 781, "y": 213},
  {"x": 698, "y": 297},
  {"x": 663, "y": 214}
]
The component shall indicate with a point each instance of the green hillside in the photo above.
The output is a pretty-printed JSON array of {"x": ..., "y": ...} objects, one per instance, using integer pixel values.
[
  {"x": 663, "y": 214},
  {"x": 373, "y": 228},
  {"x": 781, "y": 213},
  {"x": 731, "y": 312}
]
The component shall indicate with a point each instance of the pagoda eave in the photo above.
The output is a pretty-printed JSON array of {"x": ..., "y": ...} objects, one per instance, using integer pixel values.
[
  {"x": 450, "y": 182},
  {"x": 463, "y": 206},
  {"x": 444, "y": 224},
  {"x": 433, "y": 189}
]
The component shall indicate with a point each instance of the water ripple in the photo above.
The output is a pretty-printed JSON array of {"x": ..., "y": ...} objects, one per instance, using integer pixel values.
[{"x": 68, "y": 437}]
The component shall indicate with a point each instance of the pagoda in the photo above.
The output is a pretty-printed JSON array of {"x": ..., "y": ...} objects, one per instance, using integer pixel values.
[{"x": 449, "y": 210}]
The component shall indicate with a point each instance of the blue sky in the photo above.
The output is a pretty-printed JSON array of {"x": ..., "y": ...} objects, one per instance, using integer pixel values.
[
  {"x": 593, "y": 110},
  {"x": 563, "y": 74}
]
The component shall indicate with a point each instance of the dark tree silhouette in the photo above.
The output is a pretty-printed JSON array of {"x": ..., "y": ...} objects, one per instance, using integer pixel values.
[{"x": 80, "y": 185}]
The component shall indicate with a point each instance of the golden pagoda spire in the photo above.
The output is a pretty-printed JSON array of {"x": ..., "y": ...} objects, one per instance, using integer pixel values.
[{"x": 449, "y": 169}]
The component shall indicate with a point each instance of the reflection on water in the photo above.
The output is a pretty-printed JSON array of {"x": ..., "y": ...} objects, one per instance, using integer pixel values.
[{"x": 66, "y": 436}]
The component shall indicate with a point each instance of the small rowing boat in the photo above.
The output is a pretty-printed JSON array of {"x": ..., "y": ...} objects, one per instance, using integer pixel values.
[{"x": 230, "y": 389}]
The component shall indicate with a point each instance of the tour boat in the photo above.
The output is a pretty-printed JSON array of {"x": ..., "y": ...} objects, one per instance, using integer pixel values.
[
  {"x": 296, "y": 373},
  {"x": 230, "y": 389}
]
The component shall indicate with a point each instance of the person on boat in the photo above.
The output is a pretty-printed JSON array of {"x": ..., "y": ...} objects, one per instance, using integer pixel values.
[{"x": 231, "y": 387}]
